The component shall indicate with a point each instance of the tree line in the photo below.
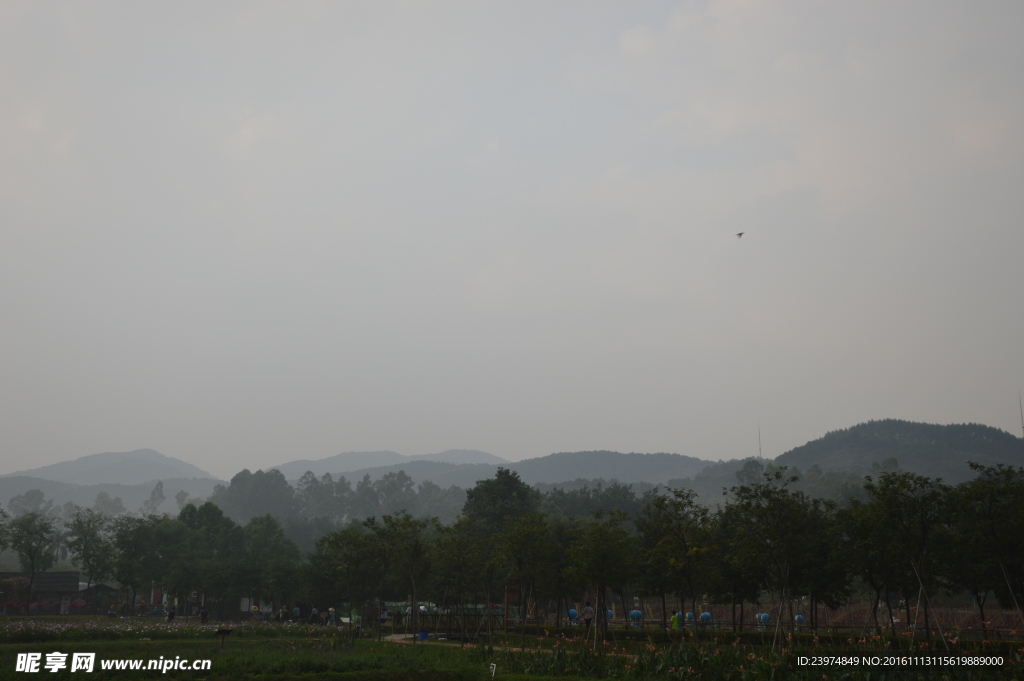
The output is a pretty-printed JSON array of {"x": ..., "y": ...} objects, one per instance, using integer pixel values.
[{"x": 907, "y": 540}]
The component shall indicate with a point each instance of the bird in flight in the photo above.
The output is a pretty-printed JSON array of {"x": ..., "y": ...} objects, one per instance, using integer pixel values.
[{"x": 740, "y": 235}]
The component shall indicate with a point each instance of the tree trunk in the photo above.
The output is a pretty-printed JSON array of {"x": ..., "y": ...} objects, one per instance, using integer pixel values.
[
  {"x": 888, "y": 607},
  {"x": 874, "y": 607},
  {"x": 981, "y": 608}
]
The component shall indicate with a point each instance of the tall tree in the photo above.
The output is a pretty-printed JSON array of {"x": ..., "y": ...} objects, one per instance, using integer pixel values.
[
  {"x": 602, "y": 557},
  {"x": 411, "y": 556},
  {"x": 774, "y": 522},
  {"x": 134, "y": 554},
  {"x": 32, "y": 501},
  {"x": 107, "y": 505},
  {"x": 254, "y": 494},
  {"x": 674, "y": 528},
  {"x": 458, "y": 557},
  {"x": 918, "y": 509},
  {"x": 156, "y": 498},
  {"x": 266, "y": 546},
  {"x": 346, "y": 555},
  {"x": 90, "y": 548},
  {"x": 5, "y": 530},
  {"x": 992, "y": 505},
  {"x": 503, "y": 496},
  {"x": 32, "y": 538},
  {"x": 382, "y": 548},
  {"x": 524, "y": 544}
]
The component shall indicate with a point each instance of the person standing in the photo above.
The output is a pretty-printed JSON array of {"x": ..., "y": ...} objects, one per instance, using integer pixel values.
[{"x": 588, "y": 614}]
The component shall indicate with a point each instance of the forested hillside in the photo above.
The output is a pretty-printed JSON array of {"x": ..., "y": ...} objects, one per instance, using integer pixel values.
[{"x": 922, "y": 448}]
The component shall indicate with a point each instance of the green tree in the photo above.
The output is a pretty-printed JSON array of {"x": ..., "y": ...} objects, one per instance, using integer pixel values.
[
  {"x": 918, "y": 510},
  {"x": 254, "y": 494},
  {"x": 91, "y": 550},
  {"x": 458, "y": 556},
  {"x": 383, "y": 545},
  {"x": 736, "y": 574},
  {"x": 107, "y": 505},
  {"x": 991, "y": 512},
  {"x": 5, "y": 530},
  {"x": 220, "y": 554},
  {"x": 135, "y": 557},
  {"x": 773, "y": 524},
  {"x": 524, "y": 545},
  {"x": 156, "y": 498},
  {"x": 675, "y": 532},
  {"x": 871, "y": 549},
  {"x": 411, "y": 559},
  {"x": 266, "y": 545},
  {"x": 504, "y": 496},
  {"x": 346, "y": 555},
  {"x": 32, "y": 538},
  {"x": 32, "y": 501},
  {"x": 601, "y": 556}
]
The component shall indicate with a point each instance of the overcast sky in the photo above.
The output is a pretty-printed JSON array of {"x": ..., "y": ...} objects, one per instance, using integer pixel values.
[{"x": 246, "y": 233}]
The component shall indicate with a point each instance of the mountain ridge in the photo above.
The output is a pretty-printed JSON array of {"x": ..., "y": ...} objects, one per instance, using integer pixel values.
[
  {"x": 129, "y": 468},
  {"x": 348, "y": 462},
  {"x": 933, "y": 450}
]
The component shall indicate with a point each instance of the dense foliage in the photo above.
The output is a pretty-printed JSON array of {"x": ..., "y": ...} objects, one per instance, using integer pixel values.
[{"x": 906, "y": 539}]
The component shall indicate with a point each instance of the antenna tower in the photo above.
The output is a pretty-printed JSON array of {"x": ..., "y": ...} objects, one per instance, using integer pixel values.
[
  {"x": 759, "y": 433},
  {"x": 1021, "y": 405}
]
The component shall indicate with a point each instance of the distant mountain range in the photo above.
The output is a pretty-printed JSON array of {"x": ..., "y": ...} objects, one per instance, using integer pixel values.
[
  {"x": 655, "y": 468},
  {"x": 354, "y": 461},
  {"x": 923, "y": 448},
  {"x": 126, "y": 468}
]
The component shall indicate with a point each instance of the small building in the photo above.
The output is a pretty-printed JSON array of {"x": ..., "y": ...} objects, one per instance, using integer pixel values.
[
  {"x": 52, "y": 593},
  {"x": 97, "y": 599}
]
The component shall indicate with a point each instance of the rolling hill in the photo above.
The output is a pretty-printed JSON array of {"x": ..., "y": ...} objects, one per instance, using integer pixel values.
[
  {"x": 654, "y": 468},
  {"x": 125, "y": 468},
  {"x": 348, "y": 462},
  {"x": 923, "y": 448}
]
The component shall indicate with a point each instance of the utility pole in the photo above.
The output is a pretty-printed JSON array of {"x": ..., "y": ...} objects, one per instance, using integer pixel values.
[{"x": 1021, "y": 405}]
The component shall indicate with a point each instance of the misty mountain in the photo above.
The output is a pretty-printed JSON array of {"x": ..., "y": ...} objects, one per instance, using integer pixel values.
[
  {"x": 339, "y": 463},
  {"x": 131, "y": 496},
  {"x": 923, "y": 448},
  {"x": 460, "y": 456},
  {"x": 348, "y": 462},
  {"x": 126, "y": 468},
  {"x": 625, "y": 468},
  {"x": 463, "y": 475}
]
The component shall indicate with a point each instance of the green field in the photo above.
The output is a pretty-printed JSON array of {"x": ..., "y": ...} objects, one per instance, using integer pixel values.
[{"x": 309, "y": 653}]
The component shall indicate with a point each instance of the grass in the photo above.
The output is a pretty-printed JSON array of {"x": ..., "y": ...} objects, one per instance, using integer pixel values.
[{"x": 309, "y": 653}]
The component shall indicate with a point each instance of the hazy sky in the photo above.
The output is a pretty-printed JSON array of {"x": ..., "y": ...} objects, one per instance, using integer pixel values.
[{"x": 245, "y": 233}]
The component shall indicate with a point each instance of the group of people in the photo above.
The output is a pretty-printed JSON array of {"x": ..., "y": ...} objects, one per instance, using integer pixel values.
[{"x": 315, "y": 615}]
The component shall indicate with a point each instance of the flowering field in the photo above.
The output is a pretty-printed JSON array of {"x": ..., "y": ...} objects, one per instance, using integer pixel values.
[{"x": 303, "y": 652}]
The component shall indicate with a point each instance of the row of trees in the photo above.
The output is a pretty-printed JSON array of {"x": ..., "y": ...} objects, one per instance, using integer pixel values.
[
  {"x": 908, "y": 539},
  {"x": 912, "y": 539},
  {"x": 199, "y": 550}
]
